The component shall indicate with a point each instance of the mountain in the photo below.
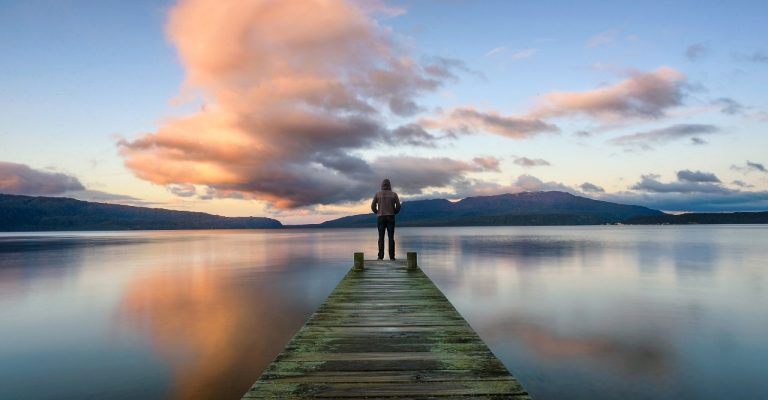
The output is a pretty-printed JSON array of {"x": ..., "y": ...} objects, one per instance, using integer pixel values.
[
  {"x": 26, "y": 213},
  {"x": 703, "y": 218},
  {"x": 529, "y": 208}
]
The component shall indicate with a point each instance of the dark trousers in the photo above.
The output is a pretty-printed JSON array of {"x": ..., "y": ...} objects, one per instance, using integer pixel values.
[{"x": 386, "y": 222}]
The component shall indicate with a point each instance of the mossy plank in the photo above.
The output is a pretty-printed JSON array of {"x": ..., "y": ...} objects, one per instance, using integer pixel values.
[
  {"x": 386, "y": 332},
  {"x": 391, "y": 376},
  {"x": 361, "y": 389}
]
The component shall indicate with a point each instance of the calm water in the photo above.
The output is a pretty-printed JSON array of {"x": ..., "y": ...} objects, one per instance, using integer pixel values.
[{"x": 573, "y": 312}]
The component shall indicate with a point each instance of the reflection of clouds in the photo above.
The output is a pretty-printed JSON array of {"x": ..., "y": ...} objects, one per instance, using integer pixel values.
[
  {"x": 525, "y": 246},
  {"x": 695, "y": 257},
  {"x": 686, "y": 257},
  {"x": 24, "y": 266},
  {"x": 648, "y": 355},
  {"x": 12, "y": 284},
  {"x": 11, "y": 244},
  {"x": 217, "y": 335}
]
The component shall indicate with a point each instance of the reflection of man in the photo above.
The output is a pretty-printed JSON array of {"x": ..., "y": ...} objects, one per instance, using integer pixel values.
[{"x": 386, "y": 204}]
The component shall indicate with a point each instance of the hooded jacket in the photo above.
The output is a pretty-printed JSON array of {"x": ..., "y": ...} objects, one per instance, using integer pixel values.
[{"x": 385, "y": 201}]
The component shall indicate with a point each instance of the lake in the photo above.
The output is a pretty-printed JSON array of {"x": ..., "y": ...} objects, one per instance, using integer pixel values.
[{"x": 599, "y": 312}]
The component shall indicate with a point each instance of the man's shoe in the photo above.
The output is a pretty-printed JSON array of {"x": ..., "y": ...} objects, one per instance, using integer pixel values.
[
  {"x": 392, "y": 259},
  {"x": 380, "y": 259}
]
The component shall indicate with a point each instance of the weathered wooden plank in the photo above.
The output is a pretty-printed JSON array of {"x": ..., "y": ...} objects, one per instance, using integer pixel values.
[
  {"x": 367, "y": 345},
  {"x": 391, "y": 376},
  {"x": 278, "y": 367},
  {"x": 386, "y": 332},
  {"x": 357, "y": 390},
  {"x": 388, "y": 356}
]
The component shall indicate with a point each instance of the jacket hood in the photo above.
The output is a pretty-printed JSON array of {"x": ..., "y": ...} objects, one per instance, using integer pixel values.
[{"x": 385, "y": 185}]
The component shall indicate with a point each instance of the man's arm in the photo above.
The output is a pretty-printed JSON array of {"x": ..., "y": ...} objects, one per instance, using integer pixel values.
[
  {"x": 375, "y": 204},
  {"x": 397, "y": 204}
]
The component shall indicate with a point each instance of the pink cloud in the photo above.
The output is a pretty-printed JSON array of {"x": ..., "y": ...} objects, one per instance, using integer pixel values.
[
  {"x": 642, "y": 95},
  {"x": 488, "y": 163},
  {"x": 291, "y": 90},
  {"x": 531, "y": 162}
]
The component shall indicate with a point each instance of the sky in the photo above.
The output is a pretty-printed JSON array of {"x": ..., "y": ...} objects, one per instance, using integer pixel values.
[{"x": 297, "y": 110}]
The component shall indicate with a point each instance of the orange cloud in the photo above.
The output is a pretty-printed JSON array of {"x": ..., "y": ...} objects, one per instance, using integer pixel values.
[
  {"x": 644, "y": 95},
  {"x": 215, "y": 336},
  {"x": 290, "y": 88},
  {"x": 641, "y": 96}
]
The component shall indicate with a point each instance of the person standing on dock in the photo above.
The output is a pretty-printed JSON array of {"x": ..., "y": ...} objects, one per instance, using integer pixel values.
[{"x": 386, "y": 204}]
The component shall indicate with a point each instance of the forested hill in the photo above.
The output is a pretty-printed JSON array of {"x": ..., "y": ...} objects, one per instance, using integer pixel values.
[
  {"x": 528, "y": 208},
  {"x": 27, "y": 213}
]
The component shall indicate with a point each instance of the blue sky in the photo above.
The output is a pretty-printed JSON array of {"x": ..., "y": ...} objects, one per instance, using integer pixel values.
[{"x": 97, "y": 91}]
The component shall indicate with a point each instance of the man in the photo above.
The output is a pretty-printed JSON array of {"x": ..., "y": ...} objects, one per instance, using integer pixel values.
[{"x": 386, "y": 204}]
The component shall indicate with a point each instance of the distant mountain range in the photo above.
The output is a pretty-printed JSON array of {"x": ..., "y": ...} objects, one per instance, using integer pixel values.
[
  {"x": 26, "y": 213},
  {"x": 528, "y": 208}
]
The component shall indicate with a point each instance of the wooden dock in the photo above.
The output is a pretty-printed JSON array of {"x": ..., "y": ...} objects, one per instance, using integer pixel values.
[{"x": 386, "y": 331}]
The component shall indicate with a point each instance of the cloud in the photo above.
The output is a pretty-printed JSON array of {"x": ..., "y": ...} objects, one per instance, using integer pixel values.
[
  {"x": 412, "y": 174},
  {"x": 729, "y": 106},
  {"x": 446, "y": 68},
  {"x": 697, "y": 176},
  {"x": 495, "y": 51},
  {"x": 603, "y": 38},
  {"x": 587, "y": 187},
  {"x": 696, "y": 52},
  {"x": 531, "y": 162},
  {"x": 749, "y": 167},
  {"x": 756, "y": 57},
  {"x": 523, "y": 54},
  {"x": 467, "y": 120},
  {"x": 742, "y": 184},
  {"x": 685, "y": 195},
  {"x": 644, "y": 95},
  {"x": 291, "y": 91},
  {"x": 182, "y": 190},
  {"x": 488, "y": 163},
  {"x": 531, "y": 183},
  {"x": 756, "y": 166},
  {"x": 104, "y": 197},
  {"x": 523, "y": 183},
  {"x": 694, "y": 202},
  {"x": 644, "y": 140},
  {"x": 413, "y": 135},
  {"x": 650, "y": 183},
  {"x": 21, "y": 179}
]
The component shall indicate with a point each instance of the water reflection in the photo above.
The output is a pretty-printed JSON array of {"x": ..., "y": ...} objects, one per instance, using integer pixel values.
[
  {"x": 524, "y": 246},
  {"x": 649, "y": 355},
  {"x": 207, "y": 324},
  {"x": 574, "y": 312}
]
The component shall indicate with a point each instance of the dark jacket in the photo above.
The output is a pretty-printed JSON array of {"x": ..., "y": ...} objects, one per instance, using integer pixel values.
[{"x": 385, "y": 201}]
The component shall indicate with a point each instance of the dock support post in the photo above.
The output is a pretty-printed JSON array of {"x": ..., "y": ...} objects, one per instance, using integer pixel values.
[
  {"x": 359, "y": 262},
  {"x": 412, "y": 260}
]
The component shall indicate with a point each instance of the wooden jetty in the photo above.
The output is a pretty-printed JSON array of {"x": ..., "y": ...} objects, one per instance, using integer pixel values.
[{"x": 386, "y": 331}]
